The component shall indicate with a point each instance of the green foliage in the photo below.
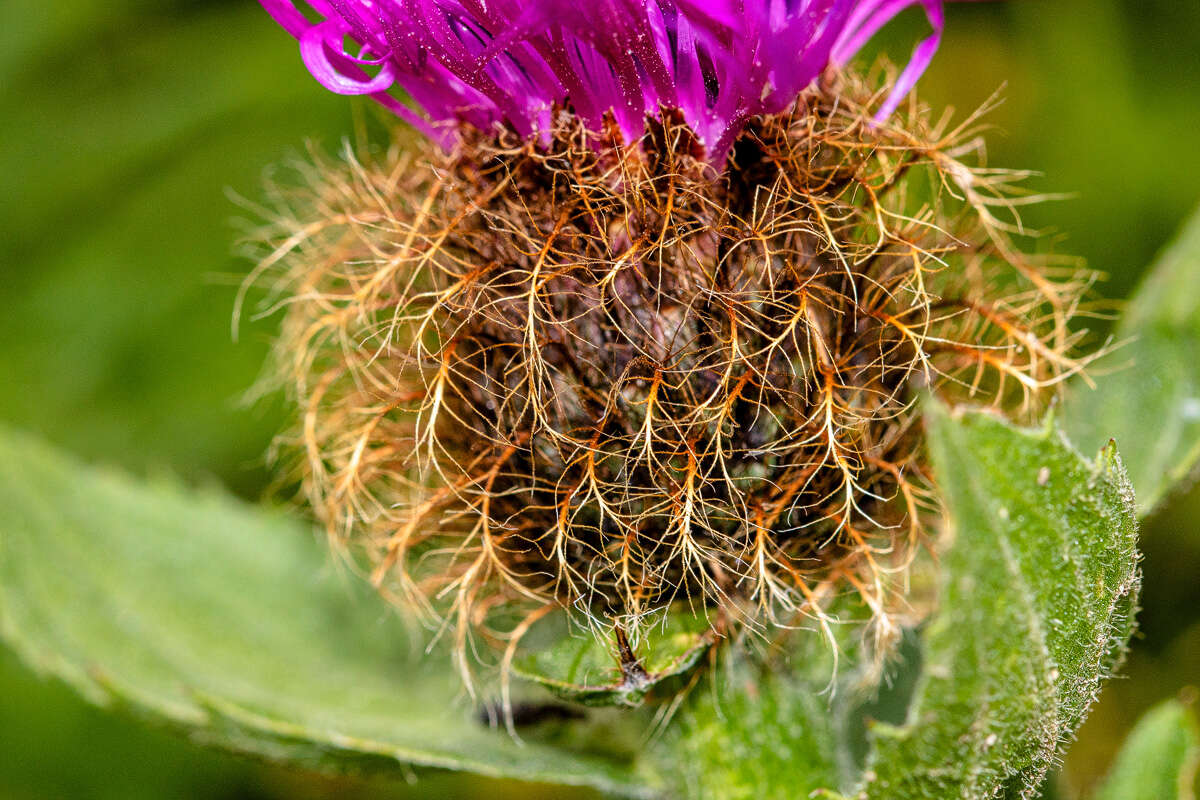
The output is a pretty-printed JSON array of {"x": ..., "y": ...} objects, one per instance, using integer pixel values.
[
  {"x": 1038, "y": 585},
  {"x": 119, "y": 761},
  {"x": 1148, "y": 395},
  {"x": 1159, "y": 759},
  {"x": 55, "y": 747},
  {"x": 592, "y": 670},
  {"x": 755, "y": 734},
  {"x": 225, "y": 623}
]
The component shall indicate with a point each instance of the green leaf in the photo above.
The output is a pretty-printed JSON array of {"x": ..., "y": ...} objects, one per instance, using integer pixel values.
[
  {"x": 226, "y": 623},
  {"x": 1158, "y": 761},
  {"x": 787, "y": 725},
  {"x": 750, "y": 733},
  {"x": 598, "y": 671},
  {"x": 1037, "y": 588},
  {"x": 1148, "y": 395}
]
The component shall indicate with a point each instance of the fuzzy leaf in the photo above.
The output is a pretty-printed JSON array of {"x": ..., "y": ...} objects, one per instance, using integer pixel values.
[
  {"x": 226, "y": 623},
  {"x": 1158, "y": 761},
  {"x": 788, "y": 727},
  {"x": 755, "y": 734},
  {"x": 1148, "y": 395},
  {"x": 1038, "y": 585}
]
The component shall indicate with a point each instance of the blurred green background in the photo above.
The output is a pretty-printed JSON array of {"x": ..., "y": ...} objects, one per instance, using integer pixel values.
[{"x": 128, "y": 125}]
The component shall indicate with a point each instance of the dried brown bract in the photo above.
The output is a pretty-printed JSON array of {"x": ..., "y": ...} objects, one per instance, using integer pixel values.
[{"x": 608, "y": 377}]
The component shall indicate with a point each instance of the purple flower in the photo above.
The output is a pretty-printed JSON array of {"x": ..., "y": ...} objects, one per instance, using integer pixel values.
[{"x": 511, "y": 62}]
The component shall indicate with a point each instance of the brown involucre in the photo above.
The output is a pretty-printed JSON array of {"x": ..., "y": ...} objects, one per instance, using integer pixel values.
[{"x": 608, "y": 377}]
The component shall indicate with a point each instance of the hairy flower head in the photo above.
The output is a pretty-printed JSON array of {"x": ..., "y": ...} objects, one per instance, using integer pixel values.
[
  {"x": 515, "y": 62},
  {"x": 653, "y": 330}
]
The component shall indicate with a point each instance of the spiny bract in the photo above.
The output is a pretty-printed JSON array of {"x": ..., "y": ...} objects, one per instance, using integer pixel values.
[{"x": 608, "y": 377}]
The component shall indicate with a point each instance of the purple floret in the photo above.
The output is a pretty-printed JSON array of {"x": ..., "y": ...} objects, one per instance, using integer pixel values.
[{"x": 511, "y": 62}]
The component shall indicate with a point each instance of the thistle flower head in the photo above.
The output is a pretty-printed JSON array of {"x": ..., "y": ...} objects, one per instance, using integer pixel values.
[
  {"x": 608, "y": 380},
  {"x": 515, "y": 62},
  {"x": 566, "y": 364}
]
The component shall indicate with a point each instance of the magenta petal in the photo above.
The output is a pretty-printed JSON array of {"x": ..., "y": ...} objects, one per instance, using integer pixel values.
[
  {"x": 321, "y": 49},
  {"x": 286, "y": 14},
  {"x": 509, "y": 62},
  {"x": 868, "y": 17},
  {"x": 921, "y": 57}
]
